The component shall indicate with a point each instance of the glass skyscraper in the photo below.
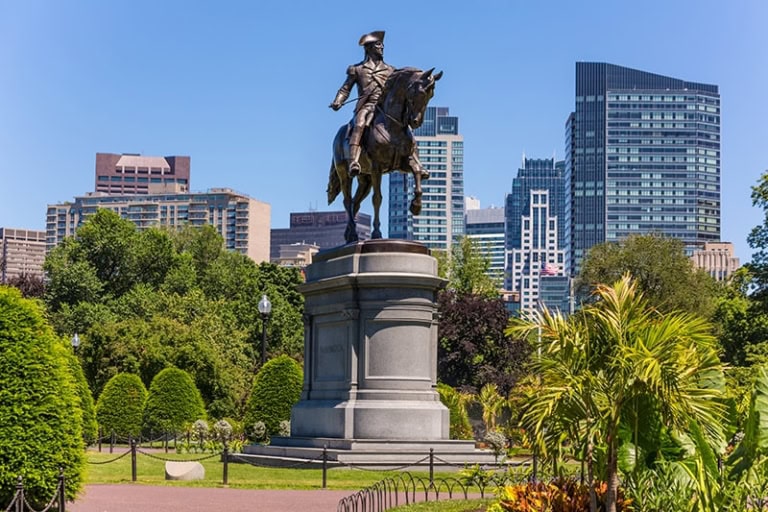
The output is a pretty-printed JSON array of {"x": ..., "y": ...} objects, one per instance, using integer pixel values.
[
  {"x": 534, "y": 240},
  {"x": 642, "y": 156},
  {"x": 441, "y": 151}
]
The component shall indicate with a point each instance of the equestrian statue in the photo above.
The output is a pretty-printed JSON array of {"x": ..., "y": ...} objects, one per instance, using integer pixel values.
[{"x": 379, "y": 138}]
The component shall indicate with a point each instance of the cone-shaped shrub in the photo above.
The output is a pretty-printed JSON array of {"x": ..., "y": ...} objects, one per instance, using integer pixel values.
[
  {"x": 40, "y": 418},
  {"x": 120, "y": 407},
  {"x": 276, "y": 388},
  {"x": 90, "y": 426},
  {"x": 173, "y": 403}
]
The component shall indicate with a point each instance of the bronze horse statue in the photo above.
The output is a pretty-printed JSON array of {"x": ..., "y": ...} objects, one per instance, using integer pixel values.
[{"x": 387, "y": 145}]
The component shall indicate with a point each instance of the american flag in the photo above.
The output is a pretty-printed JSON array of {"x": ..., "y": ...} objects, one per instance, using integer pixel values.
[{"x": 548, "y": 270}]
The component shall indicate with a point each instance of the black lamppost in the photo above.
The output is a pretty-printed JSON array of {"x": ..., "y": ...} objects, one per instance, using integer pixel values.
[
  {"x": 265, "y": 308},
  {"x": 75, "y": 342}
]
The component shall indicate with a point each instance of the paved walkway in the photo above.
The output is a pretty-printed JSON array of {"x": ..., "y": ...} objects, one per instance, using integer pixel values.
[{"x": 143, "y": 498}]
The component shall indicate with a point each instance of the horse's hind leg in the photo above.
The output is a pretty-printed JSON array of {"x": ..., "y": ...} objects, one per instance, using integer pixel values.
[
  {"x": 376, "y": 182},
  {"x": 350, "y": 233}
]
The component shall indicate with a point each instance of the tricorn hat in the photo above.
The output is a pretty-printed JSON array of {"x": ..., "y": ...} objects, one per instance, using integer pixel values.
[{"x": 377, "y": 35}]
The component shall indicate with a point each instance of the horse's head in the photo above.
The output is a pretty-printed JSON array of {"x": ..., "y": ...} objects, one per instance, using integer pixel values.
[{"x": 421, "y": 88}]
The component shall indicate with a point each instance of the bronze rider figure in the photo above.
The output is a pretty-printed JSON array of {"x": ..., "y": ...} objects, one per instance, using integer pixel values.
[{"x": 370, "y": 75}]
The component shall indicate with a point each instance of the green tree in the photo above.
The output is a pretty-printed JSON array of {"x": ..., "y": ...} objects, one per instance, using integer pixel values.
[
  {"x": 662, "y": 271},
  {"x": 120, "y": 406},
  {"x": 40, "y": 417},
  {"x": 595, "y": 366},
  {"x": 758, "y": 240},
  {"x": 108, "y": 243},
  {"x": 741, "y": 322},
  {"x": 173, "y": 402},
  {"x": 276, "y": 388},
  {"x": 466, "y": 269}
]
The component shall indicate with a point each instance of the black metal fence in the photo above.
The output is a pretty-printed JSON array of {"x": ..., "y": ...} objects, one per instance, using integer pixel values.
[
  {"x": 19, "y": 502},
  {"x": 405, "y": 489}
]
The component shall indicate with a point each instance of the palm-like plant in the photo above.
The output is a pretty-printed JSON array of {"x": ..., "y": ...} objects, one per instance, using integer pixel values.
[
  {"x": 491, "y": 402},
  {"x": 596, "y": 365}
]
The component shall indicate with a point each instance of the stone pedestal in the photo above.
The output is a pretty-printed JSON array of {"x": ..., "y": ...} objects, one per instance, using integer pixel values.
[
  {"x": 370, "y": 348},
  {"x": 370, "y": 364}
]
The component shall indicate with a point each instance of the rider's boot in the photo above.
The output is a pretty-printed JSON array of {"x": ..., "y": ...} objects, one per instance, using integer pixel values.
[{"x": 354, "y": 160}]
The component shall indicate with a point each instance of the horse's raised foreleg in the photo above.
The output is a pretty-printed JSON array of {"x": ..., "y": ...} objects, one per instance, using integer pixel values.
[{"x": 414, "y": 166}]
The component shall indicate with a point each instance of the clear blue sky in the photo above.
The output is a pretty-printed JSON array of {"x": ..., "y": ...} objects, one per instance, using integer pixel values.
[{"x": 243, "y": 87}]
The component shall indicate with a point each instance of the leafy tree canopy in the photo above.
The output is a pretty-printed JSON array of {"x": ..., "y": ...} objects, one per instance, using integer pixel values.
[
  {"x": 143, "y": 300},
  {"x": 466, "y": 269},
  {"x": 660, "y": 268},
  {"x": 473, "y": 349}
]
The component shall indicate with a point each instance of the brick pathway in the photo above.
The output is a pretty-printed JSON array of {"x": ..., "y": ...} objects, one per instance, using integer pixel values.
[{"x": 142, "y": 498}]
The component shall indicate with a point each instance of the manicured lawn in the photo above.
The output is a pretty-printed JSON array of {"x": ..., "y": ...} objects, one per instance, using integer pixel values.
[{"x": 151, "y": 471}]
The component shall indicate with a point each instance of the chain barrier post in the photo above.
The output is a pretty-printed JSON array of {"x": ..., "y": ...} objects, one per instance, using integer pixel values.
[
  {"x": 112, "y": 442},
  {"x": 62, "y": 497},
  {"x": 325, "y": 466},
  {"x": 165, "y": 438},
  {"x": 226, "y": 462},
  {"x": 101, "y": 433},
  {"x": 20, "y": 494},
  {"x": 431, "y": 466},
  {"x": 133, "y": 459}
]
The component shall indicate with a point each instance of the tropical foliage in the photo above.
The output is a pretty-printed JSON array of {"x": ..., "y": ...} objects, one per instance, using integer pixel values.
[{"x": 617, "y": 362}]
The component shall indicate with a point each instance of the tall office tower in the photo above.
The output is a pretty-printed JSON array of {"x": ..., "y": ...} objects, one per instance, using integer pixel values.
[
  {"x": 535, "y": 254},
  {"x": 242, "y": 221},
  {"x": 136, "y": 174},
  {"x": 22, "y": 253},
  {"x": 441, "y": 151},
  {"x": 323, "y": 229},
  {"x": 485, "y": 226},
  {"x": 538, "y": 257},
  {"x": 643, "y": 156}
]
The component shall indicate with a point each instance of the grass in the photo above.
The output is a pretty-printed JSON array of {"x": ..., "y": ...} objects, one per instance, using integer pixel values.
[
  {"x": 446, "y": 506},
  {"x": 151, "y": 471}
]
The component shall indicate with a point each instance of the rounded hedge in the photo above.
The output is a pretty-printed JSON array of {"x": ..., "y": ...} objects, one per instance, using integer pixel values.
[
  {"x": 460, "y": 426},
  {"x": 173, "y": 403},
  {"x": 40, "y": 417},
  {"x": 120, "y": 407},
  {"x": 276, "y": 388}
]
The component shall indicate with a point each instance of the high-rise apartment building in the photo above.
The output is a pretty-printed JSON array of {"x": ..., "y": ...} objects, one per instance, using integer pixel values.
[
  {"x": 643, "y": 156},
  {"x": 242, "y": 221},
  {"x": 323, "y": 229},
  {"x": 485, "y": 226},
  {"x": 136, "y": 174},
  {"x": 22, "y": 253},
  {"x": 441, "y": 151},
  {"x": 535, "y": 214}
]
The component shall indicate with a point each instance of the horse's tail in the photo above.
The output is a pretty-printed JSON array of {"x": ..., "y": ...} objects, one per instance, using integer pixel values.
[{"x": 334, "y": 184}]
